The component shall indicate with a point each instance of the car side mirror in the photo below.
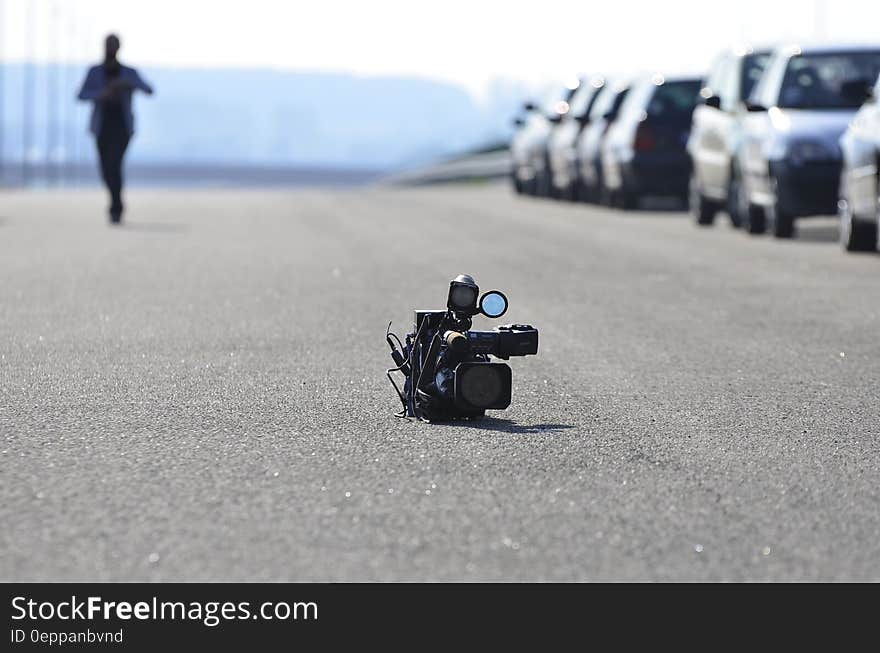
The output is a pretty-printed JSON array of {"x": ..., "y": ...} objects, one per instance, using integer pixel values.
[{"x": 713, "y": 101}]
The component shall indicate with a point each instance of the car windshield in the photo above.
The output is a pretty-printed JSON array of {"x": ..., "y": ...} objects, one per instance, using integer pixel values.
[
  {"x": 580, "y": 101},
  {"x": 619, "y": 99},
  {"x": 675, "y": 98},
  {"x": 753, "y": 67},
  {"x": 816, "y": 81},
  {"x": 556, "y": 101},
  {"x": 603, "y": 103}
]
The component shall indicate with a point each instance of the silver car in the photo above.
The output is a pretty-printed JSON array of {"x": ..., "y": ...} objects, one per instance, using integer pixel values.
[
  {"x": 528, "y": 148},
  {"x": 588, "y": 149},
  {"x": 859, "y": 203},
  {"x": 716, "y": 135},
  {"x": 561, "y": 144}
]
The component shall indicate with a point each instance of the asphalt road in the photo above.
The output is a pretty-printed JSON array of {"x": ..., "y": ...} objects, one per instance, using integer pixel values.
[{"x": 200, "y": 395}]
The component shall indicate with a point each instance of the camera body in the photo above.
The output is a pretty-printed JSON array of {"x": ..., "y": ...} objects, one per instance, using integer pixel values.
[{"x": 448, "y": 367}]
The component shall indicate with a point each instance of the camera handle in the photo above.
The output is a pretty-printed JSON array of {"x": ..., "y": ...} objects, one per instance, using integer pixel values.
[{"x": 430, "y": 361}]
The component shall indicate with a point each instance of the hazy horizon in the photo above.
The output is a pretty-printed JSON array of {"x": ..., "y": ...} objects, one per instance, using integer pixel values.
[
  {"x": 209, "y": 117},
  {"x": 467, "y": 43},
  {"x": 386, "y": 85}
]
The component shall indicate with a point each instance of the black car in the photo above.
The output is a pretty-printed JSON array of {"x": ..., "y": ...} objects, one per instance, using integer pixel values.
[
  {"x": 716, "y": 134},
  {"x": 588, "y": 149},
  {"x": 644, "y": 152},
  {"x": 859, "y": 205},
  {"x": 790, "y": 158}
]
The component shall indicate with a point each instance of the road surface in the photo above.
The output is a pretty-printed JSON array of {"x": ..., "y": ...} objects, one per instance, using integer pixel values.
[{"x": 200, "y": 395}]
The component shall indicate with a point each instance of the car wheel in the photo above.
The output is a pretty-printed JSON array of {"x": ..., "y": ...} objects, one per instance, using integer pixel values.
[
  {"x": 702, "y": 209},
  {"x": 545, "y": 184},
  {"x": 855, "y": 235},
  {"x": 517, "y": 184},
  {"x": 756, "y": 219},
  {"x": 592, "y": 194},
  {"x": 538, "y": 184},
  {"x": 629, "y": 201},
  {"x": 782, "y": 223},
  {"x": 737, "y": 200},
  {"x": 597, "y": 191},
  {"x": 550, "y": 189}
]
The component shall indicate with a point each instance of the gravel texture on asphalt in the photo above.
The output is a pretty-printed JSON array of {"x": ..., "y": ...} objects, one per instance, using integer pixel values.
[{"x": 200, "y": 394}]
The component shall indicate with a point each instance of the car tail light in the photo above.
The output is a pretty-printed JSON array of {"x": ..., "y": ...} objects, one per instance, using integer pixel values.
[{"x": 645, "y": 139}]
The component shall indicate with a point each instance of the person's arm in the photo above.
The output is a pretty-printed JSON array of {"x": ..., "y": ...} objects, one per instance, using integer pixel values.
[
  {"x": 91, "y": 88},
  {"x": 139, "y": 83}
]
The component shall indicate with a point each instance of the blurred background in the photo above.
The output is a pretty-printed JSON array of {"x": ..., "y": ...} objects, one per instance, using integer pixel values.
[
  {"x": 262, "y": 91},
  {"x": 704, "y": 403}
]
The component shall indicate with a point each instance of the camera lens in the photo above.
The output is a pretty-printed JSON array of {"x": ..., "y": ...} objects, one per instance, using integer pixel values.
[{"x": 483, "y": 385}]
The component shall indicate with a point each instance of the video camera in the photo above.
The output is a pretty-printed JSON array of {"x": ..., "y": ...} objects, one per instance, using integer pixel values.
[{"x": 447, "y": 367}]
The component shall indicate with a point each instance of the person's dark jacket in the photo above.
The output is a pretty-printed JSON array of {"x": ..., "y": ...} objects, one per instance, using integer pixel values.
[{"x": 96, "y": 80}]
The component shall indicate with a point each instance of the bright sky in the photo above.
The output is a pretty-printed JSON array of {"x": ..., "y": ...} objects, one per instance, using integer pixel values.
[{"x": 467, "y": 41}]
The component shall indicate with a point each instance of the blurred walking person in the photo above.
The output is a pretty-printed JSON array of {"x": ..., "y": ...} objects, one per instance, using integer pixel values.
[{"x": 110, "y": 86}]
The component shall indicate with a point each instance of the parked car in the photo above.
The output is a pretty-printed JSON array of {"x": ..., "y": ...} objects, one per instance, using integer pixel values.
[
  {"x": 516, "y": 147},
  {"x": 859, "y": 204},
  {"x": 588, "y": 149},
  {"x": 644, "y": 151},
  {"x": 790, "y": 158},
  {"x": 561, "y": 144},
  {"x": 716, "y": 135},
  {"x": 528, "y": 148}
]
